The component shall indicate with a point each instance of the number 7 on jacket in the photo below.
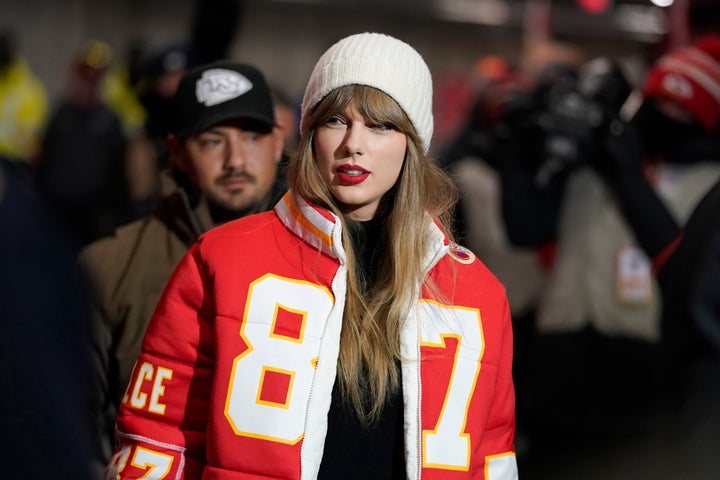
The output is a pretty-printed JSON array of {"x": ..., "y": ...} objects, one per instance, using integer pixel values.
[{"x": 446, "y": 446}]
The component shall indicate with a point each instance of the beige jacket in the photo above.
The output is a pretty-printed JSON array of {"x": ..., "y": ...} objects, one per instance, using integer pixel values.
[{"x": 128, "y": 272}]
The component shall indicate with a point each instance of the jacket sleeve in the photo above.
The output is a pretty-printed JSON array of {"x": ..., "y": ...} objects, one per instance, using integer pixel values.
[
  {"x": 101, "y": 342},
  {"x": 497, "y": 446},
  {"x": 162, "y": 420}
]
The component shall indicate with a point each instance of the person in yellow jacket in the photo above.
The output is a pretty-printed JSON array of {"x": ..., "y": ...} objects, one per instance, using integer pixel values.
[{"x": 23, "y": 104}]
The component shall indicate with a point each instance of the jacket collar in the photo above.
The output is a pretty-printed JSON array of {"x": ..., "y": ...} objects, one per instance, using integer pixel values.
[
  {"x": 316, "y": 226},
  {"x": 175, "y": 209},
  {"x": 322, "y": 229}
]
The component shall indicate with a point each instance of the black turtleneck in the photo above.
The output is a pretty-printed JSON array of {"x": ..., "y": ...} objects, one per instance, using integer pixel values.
[{"x": 354, "y": 450}]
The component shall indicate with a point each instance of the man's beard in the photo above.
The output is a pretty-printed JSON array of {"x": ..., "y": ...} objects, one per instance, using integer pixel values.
[{"x": 221, "y": 213}]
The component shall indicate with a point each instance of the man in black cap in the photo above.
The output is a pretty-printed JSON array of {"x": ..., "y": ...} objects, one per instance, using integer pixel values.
[{"x": 225, "y": 148}]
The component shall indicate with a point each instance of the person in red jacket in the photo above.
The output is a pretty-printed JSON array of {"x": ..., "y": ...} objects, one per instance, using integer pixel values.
[{"x": 342, "y": 334}]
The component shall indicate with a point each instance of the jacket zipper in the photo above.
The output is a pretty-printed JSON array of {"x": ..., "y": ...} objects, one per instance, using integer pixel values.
[
  {"x": 322, "y": 339},
  {"x": 436, "y": 258},
  {"x": 419, "y": 411}
]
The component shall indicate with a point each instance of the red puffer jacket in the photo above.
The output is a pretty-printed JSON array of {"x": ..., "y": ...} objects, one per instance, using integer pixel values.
[{"x": 239, "y": 360}]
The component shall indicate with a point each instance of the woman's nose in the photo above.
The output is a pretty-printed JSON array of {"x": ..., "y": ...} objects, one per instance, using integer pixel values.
[{"x": 355, "y": 139}]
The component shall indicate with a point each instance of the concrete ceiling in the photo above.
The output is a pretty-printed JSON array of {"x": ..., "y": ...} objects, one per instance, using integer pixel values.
[{"x": 630, "y": 19}]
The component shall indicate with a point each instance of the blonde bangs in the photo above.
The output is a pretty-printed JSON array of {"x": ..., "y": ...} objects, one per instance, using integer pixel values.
[{"x": 373, "y": 104}]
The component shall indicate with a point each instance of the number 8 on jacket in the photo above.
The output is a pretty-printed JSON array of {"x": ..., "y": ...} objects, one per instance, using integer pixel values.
[{"x": 270, "y": 381}]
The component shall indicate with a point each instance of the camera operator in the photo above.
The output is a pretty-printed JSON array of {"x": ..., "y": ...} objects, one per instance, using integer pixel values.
[
  {"x": 608, "y": 358},
  {"x": 679, "y": 128},
  {"x": 659, "y": 166}
]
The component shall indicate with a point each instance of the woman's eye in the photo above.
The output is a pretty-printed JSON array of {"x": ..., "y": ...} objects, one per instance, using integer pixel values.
[
  {"x": 384, "y": 126},
  {"x": 335, "y": 120}
]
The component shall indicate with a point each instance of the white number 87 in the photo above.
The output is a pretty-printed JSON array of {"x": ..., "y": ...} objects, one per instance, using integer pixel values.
[{"x": 282, "y": 326}]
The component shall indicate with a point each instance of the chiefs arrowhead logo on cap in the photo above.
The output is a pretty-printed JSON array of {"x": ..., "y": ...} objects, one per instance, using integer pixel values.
[{"x": 220, "y": 85}]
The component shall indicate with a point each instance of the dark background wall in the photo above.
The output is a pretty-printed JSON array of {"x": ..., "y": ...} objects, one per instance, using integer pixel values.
[{"x": 285, "y": 38}]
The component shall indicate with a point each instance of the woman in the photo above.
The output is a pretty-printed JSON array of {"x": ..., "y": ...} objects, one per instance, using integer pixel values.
[{"x": 341, "y": 335}]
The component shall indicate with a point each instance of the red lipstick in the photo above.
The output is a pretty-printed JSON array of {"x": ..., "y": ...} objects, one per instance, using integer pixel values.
[{"x": 352, "y": 174}]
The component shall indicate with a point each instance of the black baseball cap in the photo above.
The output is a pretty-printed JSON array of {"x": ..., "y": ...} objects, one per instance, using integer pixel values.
[{"x": 219, "y": 91}]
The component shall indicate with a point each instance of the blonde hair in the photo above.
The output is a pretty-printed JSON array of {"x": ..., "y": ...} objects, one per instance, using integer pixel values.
[{"x": 370, "y": 340}]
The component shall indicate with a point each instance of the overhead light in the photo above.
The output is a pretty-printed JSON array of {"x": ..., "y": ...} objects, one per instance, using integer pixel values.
[
  {"x": 593, "y": 6},
  {"x": 662, "y": 3},
  {"x": 641, "y": 20}
]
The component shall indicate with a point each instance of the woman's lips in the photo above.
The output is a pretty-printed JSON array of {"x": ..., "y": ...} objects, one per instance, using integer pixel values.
[{"x": 352, "y": 174}]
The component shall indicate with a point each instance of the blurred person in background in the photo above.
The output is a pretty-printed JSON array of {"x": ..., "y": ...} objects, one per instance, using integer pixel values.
[
  {"x": 23, "y": 103},
  {"x": 81, "y": 167},
  {"x": 121, "y": 85},
  {"x": 45, "y": 342},
  {"x": 157, "y": 81},
  {"x": 224, "y": 148},
  {"x": 684, "y": 443},
  {"x": 689, "y": 278},
  {"x": 287, "y": 117},
  {"x": 162, "y": 72},
  {"x": 287, "y": 114},
  {"x": 609, "y": 360}
]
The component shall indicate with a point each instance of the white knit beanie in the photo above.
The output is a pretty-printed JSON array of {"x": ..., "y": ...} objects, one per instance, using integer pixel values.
[{"x": 382, "y": 62}]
